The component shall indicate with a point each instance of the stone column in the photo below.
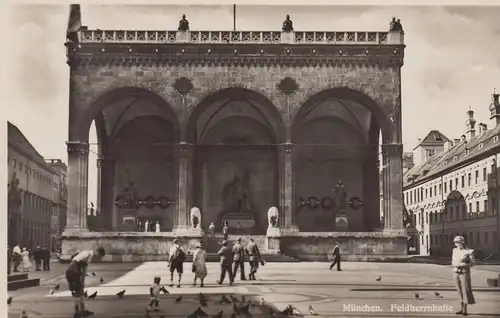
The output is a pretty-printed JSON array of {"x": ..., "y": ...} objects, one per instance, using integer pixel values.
[
  {"x": 78, "y": 164},
  {"x": 184, "y": 159},
  {"x": 393, "y": 186},
  {"x": 286, "y": 188}
]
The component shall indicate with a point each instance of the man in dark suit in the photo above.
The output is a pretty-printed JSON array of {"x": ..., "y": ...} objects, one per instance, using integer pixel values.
[
  {"x": 239, "y": 259},
  {"x": 254, "y": 258},
  {"x": 336, "y": 257},
  {"x": 46, "y": 258},
  {"x": 226, "y": 258},
  {"x": 37, "y": 255}
]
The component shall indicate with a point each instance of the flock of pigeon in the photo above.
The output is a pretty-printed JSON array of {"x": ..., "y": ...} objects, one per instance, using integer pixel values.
[{"x": 241, "y": 308}]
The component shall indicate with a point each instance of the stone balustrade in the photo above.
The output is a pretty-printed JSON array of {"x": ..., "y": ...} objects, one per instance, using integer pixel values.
[{"x": 240, "y": 37}]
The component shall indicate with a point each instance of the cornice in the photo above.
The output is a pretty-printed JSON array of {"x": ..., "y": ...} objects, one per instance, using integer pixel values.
[{"x": 288, "y": 55}]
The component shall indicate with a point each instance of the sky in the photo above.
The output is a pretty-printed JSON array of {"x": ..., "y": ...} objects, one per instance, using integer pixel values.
[{"x": 452, "y": 59}]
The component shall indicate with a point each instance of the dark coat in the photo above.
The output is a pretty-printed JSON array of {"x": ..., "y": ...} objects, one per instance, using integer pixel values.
[
  {"x": 238, "y": 252},
  {"x": 336, "y": 251},
  {"x": 226, "y": 255}
]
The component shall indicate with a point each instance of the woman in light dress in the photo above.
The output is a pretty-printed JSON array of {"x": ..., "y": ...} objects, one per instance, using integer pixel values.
[
  {"x": 25, "y": 255},
  {"x": 199, "y": 265},
  {"x": 462, "y": 260}
]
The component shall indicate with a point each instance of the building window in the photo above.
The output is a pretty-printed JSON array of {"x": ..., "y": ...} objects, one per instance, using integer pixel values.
[
  {"x": 493, "y": 206},
  {"x": 14, "y": 163},
  {"x": 469, "y": 176},
  {"x": 477, "y": 207},
  {"x": 430, "y": 152},
  {"x": 426, "y": 217},
  {"x": 440, "y": 189},
  {"x": 477, "y": 176},
  {"x": 485, "y": 206},
  {"x": 486, "y": 238},
  {"x": 495, "y": 139},
  {"x": 463, "y": 181},
  {"x": 484, "y": 174},
  {"x": 435, "y": 192},
  {"x": 470, "y": 208},
  {"x": 456, "y": 183},
  {"x": 451, "y": 185},
  {"x": 478, "y": 238}
]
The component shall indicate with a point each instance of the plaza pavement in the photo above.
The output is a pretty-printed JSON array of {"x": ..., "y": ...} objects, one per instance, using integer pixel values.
[{"x": 354, "y": 292}]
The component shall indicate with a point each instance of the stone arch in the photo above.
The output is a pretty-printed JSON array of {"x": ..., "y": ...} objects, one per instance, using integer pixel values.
[
  {"x": 346, "y": 94},
  {"x": 108, "y": 98},
  {"x": 262, "y": 104}
]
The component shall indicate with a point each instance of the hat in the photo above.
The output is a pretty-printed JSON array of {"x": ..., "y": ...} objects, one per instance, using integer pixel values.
[
  {"x": 458, "y": 239},
  {"x": 176, "y": 241},
  {"x": 224, "y": 243},
  {"x": 238, "y": 239}
]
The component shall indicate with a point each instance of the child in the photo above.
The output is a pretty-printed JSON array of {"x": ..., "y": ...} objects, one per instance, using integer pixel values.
[{"x": 154, "y": 294}]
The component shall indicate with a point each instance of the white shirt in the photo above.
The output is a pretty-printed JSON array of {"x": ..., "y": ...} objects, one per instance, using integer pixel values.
[
  {"x": 173, "y": 249},
  {"x": 459, "y": 255},
  {"x": 84, "y": 256},
  {"x": 16, "y": 250}
]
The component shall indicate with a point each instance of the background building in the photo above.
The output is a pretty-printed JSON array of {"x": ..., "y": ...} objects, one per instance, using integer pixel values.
[
  {"x": 33, "y": 194},
  {"x": 59, "y": 216},
  {"x": 453, "y": 190}
]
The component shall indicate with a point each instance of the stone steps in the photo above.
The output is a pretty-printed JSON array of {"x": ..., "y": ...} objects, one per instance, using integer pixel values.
[
  {"x": 21, "y": 280},
  {"x": 269, "y": 258}
]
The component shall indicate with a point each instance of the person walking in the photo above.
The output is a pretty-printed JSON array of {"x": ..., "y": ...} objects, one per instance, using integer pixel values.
[
  {"x": 176, "y": 259},
  {"x": 211, "y": 229},
  {"x": 37, "y": 255},
  {"x": 46, "y": 258},
  {"x": 239, "y": 259},
  {"x": 199, "y": 264},
  {"x": 226, "y": 255},
  {"x": 26, "y": 260},
  {"x": 336, "y": 257},
  {"x": 462, "y": 260},
  {"x": 75, "y": 276},
  {"x": 225, "y": 230},
  {"x": 254, "y": 258},
  {"x": 16, "y": 254}
]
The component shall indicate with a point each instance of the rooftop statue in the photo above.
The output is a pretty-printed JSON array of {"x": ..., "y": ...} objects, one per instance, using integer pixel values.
[
  {"x": 395, "y": 25},
  {"x": 183, "y": 24},
  {"x": 287, "y": 24}
]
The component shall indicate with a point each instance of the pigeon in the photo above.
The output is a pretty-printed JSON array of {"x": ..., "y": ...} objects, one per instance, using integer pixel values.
[
  {"x": 9, "y": 300},
  {"x": 56, "y": 287},
  {"x": 101, "y": 280},
  {"x": 164, "y": 290},
  {"x": 93, "y": 296},
  {"x": 219, "y": 315},
  {"x": 417, "y": 295},
  {"x": 379, "y": 279},
  {"x": 262, "y": 302},
  {"x": 236, "y": 309},
  {"x": 288, "y": 310},
  {"x": 312, "y": 311},
  {"x": 86, "y": 294},
  {"x": 93, "y": 273},
  {"x": 203, "y": 300},
  {"x": 243, "y": 298},
  {"x": 223, "y": 300},
  {"x": 24, "y": 314},
  {"x": 201, "y": 313},
  {"x": 178, "y": 299},
  {"x": 120, "y": 294},
  {"x": 51, "y": 291},
  {"x": 437, "y": 294}
]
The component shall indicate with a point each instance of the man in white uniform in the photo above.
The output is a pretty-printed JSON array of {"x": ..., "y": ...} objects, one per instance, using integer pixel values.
[{"x": 75, "y": 275}]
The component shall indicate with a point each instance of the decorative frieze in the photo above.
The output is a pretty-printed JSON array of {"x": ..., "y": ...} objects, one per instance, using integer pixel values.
[
  {"x": 78, "y": 148},
  {"x": 288, "y": 86}
]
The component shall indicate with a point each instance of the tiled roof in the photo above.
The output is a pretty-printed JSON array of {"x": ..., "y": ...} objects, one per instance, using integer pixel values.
[
  {"x": 453, "y": 157},
  {"x": 433, "y": 137},
  {"x": 20, "y": 142}
]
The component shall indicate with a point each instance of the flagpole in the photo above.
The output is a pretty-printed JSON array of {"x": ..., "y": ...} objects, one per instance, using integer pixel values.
[{"x": 234, "y": 17}]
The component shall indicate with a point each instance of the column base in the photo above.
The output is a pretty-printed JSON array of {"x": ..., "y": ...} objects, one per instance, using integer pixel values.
[
  {"x": 72, "y": 232},
  {"x": 273, "y": 231}
]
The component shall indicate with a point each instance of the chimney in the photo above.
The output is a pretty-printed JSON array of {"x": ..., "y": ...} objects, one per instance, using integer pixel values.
[
  {"x": 470, "y": 125},
  {"x": 482, "y": 128},
  {"x": 495, "y": 107},
  {"x": 463, "y": 139},
  {"x": 448, "y": 145}
]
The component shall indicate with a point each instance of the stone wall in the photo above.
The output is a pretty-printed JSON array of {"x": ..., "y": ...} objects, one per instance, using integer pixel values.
[{"x": 354, "y": 246}]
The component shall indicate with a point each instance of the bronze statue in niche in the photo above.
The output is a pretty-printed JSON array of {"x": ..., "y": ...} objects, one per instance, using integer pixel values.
[
  {"x": 340, "y": 197},
  {"x": 131, "y": 196}
]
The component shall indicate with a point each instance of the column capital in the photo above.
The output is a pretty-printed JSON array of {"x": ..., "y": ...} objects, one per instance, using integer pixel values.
[
  {"x": 77, "y": 147},
  {"x": 286, "y": 148},
  {"x": 184, "y": 149},
  {"x": 392, "y": 149}
]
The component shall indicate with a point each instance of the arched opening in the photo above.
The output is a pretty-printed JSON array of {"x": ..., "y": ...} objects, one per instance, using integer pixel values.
[
  {"x": 336, "y": 164},
  {"x": 236, "y": 133},
  {"x": 132, "y": 174}
]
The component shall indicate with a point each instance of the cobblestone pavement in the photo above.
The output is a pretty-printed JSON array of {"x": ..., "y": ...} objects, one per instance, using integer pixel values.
[{"x": 354, "y": 292}]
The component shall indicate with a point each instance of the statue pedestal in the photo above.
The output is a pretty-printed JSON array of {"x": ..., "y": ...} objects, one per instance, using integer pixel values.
[
  {"x": 341, "y": 222},
  {"x": 182, "y": 36},
  {"x": 395, "y": 37},
  {"x": 273, "y": 240},
  {"x": 287, "y": 37},
  {"x": 188, "y": 232}
]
